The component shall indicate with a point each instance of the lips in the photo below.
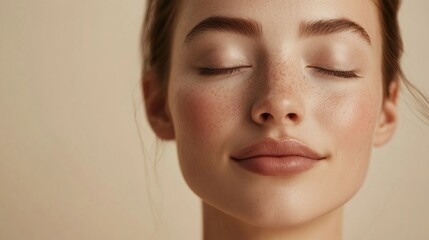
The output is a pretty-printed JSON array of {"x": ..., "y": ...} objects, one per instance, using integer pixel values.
[{"x": 277, "y": 157}]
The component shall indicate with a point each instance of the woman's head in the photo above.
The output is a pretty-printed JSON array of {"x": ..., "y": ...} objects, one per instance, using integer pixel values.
[{"x": 223, "y": 75}]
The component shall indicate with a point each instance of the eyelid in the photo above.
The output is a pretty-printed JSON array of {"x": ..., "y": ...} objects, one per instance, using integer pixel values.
[
  {"x": 335, "y": 72},
  {"x": 213, "y": 71}
]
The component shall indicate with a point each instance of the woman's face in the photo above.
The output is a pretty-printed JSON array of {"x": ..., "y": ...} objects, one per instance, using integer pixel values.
[{"x": 305, "y": 71}]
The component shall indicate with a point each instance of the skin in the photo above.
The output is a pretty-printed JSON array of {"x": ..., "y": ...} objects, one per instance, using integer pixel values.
[{"x": 211, "y": 116}]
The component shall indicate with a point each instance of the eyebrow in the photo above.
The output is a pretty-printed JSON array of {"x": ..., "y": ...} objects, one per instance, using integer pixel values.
[
  {"x": 253, "y": 29},
  {"x": 324, "y": 27},
  {"x": 243, "y": 26}
]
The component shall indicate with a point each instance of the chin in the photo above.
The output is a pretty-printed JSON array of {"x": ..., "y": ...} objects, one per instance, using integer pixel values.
[
  {"x": 284, "y": 217},
  {"x": 282, "y": 209}
]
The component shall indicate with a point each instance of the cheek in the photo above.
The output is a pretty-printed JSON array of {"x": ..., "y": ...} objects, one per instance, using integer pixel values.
[
  {"x": 200, "y": 113},
  {"x": 350, "y": 119},
  {"x": 350, "y": 114},
  {"x": 203, "y": 116}
]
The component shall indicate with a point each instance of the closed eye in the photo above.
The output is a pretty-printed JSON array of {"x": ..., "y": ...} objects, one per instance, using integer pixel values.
[
  {"x": 220, "y": 71},
  {"x": 335, "y": 73}
]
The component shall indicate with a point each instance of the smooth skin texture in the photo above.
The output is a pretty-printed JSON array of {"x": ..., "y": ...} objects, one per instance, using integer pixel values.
[{"x": 274, "y": 90}]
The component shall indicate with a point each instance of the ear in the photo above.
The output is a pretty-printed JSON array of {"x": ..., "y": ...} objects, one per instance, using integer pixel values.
[
  {"x": 157, "y": 111},
  {"x": 388, "y": 119}
]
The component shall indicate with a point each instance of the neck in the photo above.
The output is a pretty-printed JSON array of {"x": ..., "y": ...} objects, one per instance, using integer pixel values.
[{"x": 218, "y": 225}]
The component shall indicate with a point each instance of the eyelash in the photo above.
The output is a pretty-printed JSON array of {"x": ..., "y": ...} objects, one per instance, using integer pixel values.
[
  {"x": 335, "y": 73},
  {"x": 323, "y": 71},
  {"x": 219, "y": 71}
]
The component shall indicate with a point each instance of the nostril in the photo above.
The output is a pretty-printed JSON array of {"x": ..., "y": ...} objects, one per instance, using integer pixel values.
[
  {"x": 292, "y": 116},
  {"x": 265, "y": 116}
]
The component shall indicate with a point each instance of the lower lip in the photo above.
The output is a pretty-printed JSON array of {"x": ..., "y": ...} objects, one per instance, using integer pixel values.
[{"x": 277, "y": 166}]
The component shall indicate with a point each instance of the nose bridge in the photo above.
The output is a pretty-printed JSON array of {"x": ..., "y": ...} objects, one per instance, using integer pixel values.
[
  {"x": 282, "y": 79},
  {"x": 280, "y": 95}
]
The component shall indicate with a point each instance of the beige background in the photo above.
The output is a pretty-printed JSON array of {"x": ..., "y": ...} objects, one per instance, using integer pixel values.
[{"x": 71, "y": 163}]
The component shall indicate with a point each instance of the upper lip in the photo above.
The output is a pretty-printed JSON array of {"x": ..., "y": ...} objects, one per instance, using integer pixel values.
[{"x": 276, "y": 148}]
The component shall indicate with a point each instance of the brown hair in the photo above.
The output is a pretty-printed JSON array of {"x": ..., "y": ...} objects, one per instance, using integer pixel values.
[
  {"x": 157, "y": 36},
  {"x": 392, "y": 42}
]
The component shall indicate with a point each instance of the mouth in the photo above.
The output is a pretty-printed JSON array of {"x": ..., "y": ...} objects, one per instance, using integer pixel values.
[{"x": 272, "y": 157}]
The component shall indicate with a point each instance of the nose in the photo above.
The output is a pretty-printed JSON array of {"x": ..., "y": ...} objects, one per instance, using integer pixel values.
[{"x": 279, "y": 105}]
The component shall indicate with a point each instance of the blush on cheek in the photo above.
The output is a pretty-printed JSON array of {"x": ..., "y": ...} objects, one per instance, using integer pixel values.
[
  {"x": 351, "y": 119},
  {"x": 201, "y": 113},
  {"x": 203, "y": 120},
  {"x": 195, "y": 114}
]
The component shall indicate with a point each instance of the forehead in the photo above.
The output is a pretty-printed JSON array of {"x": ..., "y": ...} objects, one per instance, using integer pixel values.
[
  {"x": 280, "y": 16},
  {"x": 287, "y": 9}
]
